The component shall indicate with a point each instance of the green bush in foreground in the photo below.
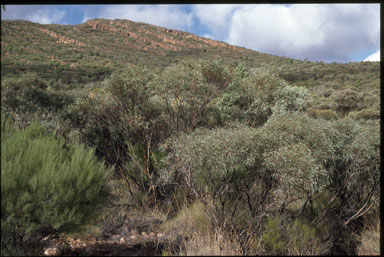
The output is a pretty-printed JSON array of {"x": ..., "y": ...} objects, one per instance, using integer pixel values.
[{"x": 45, "y": 185}]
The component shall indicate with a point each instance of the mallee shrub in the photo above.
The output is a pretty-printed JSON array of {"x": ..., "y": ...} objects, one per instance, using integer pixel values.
[{"x": 291, "y": 153}]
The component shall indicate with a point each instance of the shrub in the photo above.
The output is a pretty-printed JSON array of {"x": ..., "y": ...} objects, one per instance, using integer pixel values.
[
  {"x": 291, "y": 157},
  {"x": 130, "y": 87},
  {"x": 296, "y": 169},
  {"x": 221, "y": 166},
  {"x": 46, "y": 184},
  {"x": 327, "y": 115},
  {"x": 272, "y": 236},
  {"x": 28, "y": 99},
  {"x": 322, "y": 114},
  {"x": 29, "y": 93},
  {"x": 187, "y": 90},
  {"x": 368, "y": 101},
  {"x": 124, "y": 126},
  {"x": 347, "y": 100},
  {"x": 365, "y": 114},
  {"x": 256, "y": 95},
  {"x": 250, "y": 97},
  {"x": 303, "y": 239},
  {"x": 291, "y": 99}
]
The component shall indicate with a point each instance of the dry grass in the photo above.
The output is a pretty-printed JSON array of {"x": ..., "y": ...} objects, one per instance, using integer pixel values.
[
  {"x": 194, "y": 225},
  {"x": 190, "y": 219},
  {"x": 370, "y": 240},
  {"x": 211, "y": 243}
]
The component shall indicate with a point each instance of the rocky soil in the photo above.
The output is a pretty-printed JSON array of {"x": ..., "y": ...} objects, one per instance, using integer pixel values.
[{"x": 121, "y": 235}]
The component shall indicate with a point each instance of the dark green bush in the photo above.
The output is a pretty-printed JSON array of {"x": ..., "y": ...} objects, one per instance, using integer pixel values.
[
  {"x": 124, "y": 125},
  {"x": 29, "y": 99},
  {"x": 46, "y": 185}
]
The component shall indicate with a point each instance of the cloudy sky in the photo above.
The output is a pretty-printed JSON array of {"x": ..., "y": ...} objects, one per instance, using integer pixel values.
[{"x": 317, "y": 32}]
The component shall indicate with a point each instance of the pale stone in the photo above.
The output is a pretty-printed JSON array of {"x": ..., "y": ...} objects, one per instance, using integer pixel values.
[
  {"x": 123, "y": 240},
  {"x": 152, "y": 234},
  {"x": 160, "y": 235},
  {"x": 144, "y": 233},
  {"x": 116, "y": 237},
  {"x": 52, "y": 252}
]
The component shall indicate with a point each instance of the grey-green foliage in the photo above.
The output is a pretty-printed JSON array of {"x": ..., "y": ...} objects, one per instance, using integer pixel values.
[
  {"x": 365, "y": 114},
  {"x": 223, "y": 166},
  {"x": 295, "y": 168},
  {"x": 130, "y": 87},
  {"x": 212, "y": 154},
  {"x": 46, "y": 183},
  {"x": 347, "y": 100},
  {"x": 188, "y": 90},
  {"x": 290, "y": 99},
  {"x": 292, "y": 153},
  {"x": 256, "y": 95},
  {"x": 359, "y": 152}
]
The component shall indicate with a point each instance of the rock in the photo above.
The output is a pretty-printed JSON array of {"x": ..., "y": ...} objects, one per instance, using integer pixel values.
[
  {"x": 160, "y": 235},
  {"x": 89, "y": 250},
  {"x": 152, "y": 234},
  {"x": 123, "y": 240},
  {"x": 53, "y": 251},
  {"x": 64, "y": 248},
  {"x": 116, "y": 237},
  {"x": 132, "y": 236},
  {"x": 94, "y": 238},
  {"x": 144, "y": 233}
]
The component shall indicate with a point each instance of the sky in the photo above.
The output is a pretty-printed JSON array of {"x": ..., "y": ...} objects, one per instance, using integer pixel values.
[{"x": 316, "y": 32}]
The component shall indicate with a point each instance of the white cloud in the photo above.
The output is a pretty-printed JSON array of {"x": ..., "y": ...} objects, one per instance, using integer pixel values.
[
  {"x": 44, "y": 16},
  {"x": 169, "y": 16},
  {"x": 216, "y": 18},
  {"x": 328, "y": 32},
  {"x": 375, "y": 57},
  {"x": 34, "y": 13}
]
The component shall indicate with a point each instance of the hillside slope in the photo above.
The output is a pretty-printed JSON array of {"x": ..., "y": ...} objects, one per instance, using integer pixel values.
[{"x": 89, "y": 52}]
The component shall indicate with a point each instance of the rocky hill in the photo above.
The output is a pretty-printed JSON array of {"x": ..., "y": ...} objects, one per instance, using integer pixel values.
[{"x": 89, "y": 52}]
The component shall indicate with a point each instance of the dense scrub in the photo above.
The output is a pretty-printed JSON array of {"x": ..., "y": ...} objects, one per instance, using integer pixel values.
[
  {"x": 274, "y": 166},
  {"x": 46, "y": 185}
]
